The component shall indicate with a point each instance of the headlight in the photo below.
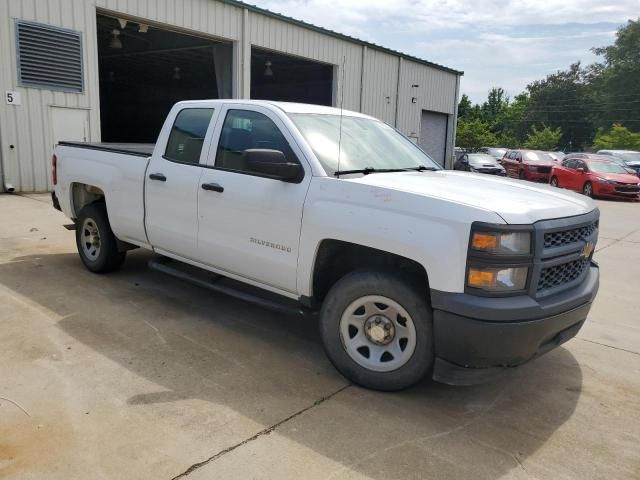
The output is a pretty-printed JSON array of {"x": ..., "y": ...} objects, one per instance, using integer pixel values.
[
  {"x": 498, "y": 279},
  {"x": 604, "y": 180},
  {"x": 502, "y": 243}
]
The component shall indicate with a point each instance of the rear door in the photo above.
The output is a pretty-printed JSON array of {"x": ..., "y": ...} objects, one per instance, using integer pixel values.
[
  {"x": 250, "y": 226},
  {"x": 172, "y": 183}
]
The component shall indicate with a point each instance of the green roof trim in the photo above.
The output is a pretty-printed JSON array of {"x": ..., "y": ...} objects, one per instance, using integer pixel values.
[{"x": 341, "y": 36}]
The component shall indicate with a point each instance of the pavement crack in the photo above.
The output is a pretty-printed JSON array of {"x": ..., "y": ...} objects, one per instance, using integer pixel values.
[
  {"x": 609, "y": 346},
  {"x": 617, "y": 240},
  {"x": 261, "y": 433}
]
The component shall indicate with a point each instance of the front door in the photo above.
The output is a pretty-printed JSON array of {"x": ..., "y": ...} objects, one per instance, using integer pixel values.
[
  {"x": 172, "y": 183},
  {"x": 249, "y": 223}
]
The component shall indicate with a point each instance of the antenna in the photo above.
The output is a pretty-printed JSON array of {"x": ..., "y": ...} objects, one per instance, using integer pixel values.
[{"x": 344, "y": 58}]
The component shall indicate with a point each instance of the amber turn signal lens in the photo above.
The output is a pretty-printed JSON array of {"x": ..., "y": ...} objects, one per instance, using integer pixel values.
[
  {"x": 482, "y": 278},
  {"x": 484, "y": 241}
]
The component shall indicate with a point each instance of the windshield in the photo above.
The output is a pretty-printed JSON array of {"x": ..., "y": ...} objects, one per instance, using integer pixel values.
[
  {"x": 365, "y": 143},
  {"x": 538, "y": 157},
  {"x": 481, "y": 159},
  {"x": 629, "y": 156},
  {"x": 498, "y": 152},
  {"x": 606, "y": 167}
]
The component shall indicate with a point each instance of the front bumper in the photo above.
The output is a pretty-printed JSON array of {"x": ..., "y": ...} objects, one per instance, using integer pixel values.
[
  {"x": 477, "y": 338},
  {"x": 535, "y": 176}
]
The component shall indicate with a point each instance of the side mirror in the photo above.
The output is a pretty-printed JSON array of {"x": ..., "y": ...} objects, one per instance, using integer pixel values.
[
  {"x": 272, "y": 163},
  {"x": 581, "y": 170}
]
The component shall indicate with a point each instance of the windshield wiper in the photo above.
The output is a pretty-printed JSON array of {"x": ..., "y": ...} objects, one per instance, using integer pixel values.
[{"x": 368, "y": 170}]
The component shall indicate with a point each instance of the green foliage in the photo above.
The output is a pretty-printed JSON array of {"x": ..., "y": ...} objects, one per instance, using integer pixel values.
[
  {"x": 474, "y": 134},
  {"x": 617, "y": 137},
  {"x": 577, "y": 102},
  {"x": 545, "y": 139}
]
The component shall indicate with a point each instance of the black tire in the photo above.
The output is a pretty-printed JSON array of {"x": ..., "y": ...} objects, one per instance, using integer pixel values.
[
  {"x": 587, "y": 189},
  {"x": 108, "y": 258},
  {"x": 365, "y": 283},
  {"x": 554, "y": 182},
  {"x": 522, "y": 175}
]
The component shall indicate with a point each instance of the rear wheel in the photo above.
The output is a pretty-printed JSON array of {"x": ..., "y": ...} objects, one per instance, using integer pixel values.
[
  {"x": 97, "y": 245},
  {"x": 522, "y": 175},
  {"x": 588, "y": 189},
  {"x": 377, "y": 330},
  {"x": 554, "y": 182}
]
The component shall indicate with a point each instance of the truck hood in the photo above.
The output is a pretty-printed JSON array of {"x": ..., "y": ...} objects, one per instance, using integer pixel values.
[{"x": 516, "y": 201}]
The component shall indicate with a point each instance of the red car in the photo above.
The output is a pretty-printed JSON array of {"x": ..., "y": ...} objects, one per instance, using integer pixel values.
[
  {"x": 595, "y": 176},
  {"x": 528, "y": 165}
]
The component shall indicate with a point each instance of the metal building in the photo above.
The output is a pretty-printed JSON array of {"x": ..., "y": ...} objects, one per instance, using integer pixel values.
[{"x": 109, "y": 70}]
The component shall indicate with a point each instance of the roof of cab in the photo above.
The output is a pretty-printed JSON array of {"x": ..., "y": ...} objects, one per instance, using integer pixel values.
[{"x": 287, "y": 107}]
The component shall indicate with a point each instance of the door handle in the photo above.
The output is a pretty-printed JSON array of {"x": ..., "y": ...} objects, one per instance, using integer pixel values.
[
  {"x": 158, "y": 176},
  {"x": 213, "y": 187}
]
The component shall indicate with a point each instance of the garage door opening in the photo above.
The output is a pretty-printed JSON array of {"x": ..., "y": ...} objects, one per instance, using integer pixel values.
[
  {"x": 290, "y": 79},
  {"x": 144, "y": 70},
  {"x": 433, "y": 135}
]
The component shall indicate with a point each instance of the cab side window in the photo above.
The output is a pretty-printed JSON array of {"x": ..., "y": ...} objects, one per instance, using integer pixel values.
[
  {"x": 187, "y": 135},
  {"x": 244, "y": 130}
]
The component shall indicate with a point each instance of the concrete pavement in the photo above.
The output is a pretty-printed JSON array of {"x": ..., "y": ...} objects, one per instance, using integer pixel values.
[{"x": 137, "y": 375}]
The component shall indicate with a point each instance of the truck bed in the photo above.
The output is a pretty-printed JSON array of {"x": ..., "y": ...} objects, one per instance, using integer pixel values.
[{"x": 136, "y": 149}]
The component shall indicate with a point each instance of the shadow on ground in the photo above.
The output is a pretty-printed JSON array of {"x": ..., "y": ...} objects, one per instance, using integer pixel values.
[{"x": 194, "y": 344}]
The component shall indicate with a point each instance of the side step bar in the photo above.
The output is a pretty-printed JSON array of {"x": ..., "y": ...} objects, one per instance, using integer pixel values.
[{"x": 227, "y": 286}]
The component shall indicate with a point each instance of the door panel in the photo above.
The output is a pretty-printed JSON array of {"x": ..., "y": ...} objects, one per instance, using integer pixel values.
[
  {"x": 172, "y": 183},
  {"x": 252, "y": 227}
]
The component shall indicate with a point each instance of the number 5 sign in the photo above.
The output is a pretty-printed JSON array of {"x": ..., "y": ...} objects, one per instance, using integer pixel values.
[{"x": 13, "y": 98}]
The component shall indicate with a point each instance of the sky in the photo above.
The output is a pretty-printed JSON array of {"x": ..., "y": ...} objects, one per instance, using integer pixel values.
[{"x": 497, "y": 43}]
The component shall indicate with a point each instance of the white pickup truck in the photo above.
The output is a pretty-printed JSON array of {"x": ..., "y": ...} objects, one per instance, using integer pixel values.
[{"x": 414, "y": 270}]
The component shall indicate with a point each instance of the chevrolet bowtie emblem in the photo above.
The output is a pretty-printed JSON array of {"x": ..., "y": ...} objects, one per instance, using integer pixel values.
[{"x": 587, "y": 250}]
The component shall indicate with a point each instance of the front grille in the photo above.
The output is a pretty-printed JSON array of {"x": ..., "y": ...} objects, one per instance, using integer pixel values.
[
  {"x": 564, "y": 273},
  {"x": 628, "y": 189},
  {"x": 544, "y": 169},
  {"x": 566, "y": 237}
]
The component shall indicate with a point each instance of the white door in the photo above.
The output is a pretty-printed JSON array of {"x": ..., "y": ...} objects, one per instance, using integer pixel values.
[
  {"x": 250, "y": 224},
  {"x": 69, "y": 124},
  {"x": 172, "y": 183}
]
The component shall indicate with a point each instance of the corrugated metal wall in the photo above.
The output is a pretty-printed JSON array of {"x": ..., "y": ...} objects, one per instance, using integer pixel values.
[{"x": 373, "y": 80}]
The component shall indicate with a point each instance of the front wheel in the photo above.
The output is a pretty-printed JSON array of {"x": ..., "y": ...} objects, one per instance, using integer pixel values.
[
  {"x": 377, "y": 330},
  {"x": 97, "y": 245},
  {"x": 588, "y": 189},
  {"x": 554, "y": 182}
]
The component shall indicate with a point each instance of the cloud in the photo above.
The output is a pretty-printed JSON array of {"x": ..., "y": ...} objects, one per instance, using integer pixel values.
[{"x": 496, "y": 42}]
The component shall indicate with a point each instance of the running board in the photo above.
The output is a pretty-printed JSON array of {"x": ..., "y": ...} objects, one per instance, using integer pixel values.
[{"x": 220, "y": 284}]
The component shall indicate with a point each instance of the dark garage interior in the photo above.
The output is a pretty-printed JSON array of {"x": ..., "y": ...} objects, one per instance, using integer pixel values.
[
  {"x": 290, "y": 79},
  {"x": 144, "y": 70}
]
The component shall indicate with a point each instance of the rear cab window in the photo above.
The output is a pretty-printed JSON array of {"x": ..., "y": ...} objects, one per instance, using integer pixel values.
[{"x": 187, "y": 135}]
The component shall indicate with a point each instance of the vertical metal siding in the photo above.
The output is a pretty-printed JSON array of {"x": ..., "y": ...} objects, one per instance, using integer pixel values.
[
  {"x": 379, "y": 84},
  {"x": 370, "y": 75}
]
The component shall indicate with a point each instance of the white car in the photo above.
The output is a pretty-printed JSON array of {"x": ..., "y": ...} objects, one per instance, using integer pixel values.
[
  {"x": 630, "y": 157},
  {"x": 414, "y": 270}
]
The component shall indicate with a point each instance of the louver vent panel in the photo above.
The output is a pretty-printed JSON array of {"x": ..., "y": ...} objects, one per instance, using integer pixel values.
[{"x": 49, "y": 57}]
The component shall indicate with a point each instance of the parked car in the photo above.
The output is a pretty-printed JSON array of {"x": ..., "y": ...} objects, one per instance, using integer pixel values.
[
  {"x": 531, "y": 165},
  {"x": 557, "y": 156},
  {"x": 614, "y": 158},
  {"x": 595, "y": 176},
  {"x": 479, "y": 163},
  {"x": 629, "y": 157},
  {"x": 458, "y": 152},
  {"x": 495, "y": 152},
  {"x": 414, "y": 270}
]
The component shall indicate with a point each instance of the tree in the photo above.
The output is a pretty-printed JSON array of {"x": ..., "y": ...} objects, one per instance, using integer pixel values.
[
  {"x": 617, "y": 137},
  {"x": 464, "y": 107},
  {"x": 545, "y": 139},
  {"x": 564, "y": 99},
  {"x": 496, "y": 103},
  {"x": 616, "y": 81},
  {"x": 474, "y": 134}
]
